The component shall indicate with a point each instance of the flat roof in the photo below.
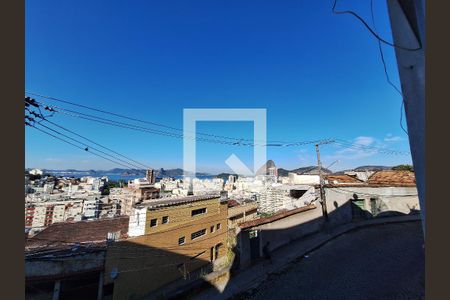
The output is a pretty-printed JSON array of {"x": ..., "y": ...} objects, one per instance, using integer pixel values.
[{"x": 154, "y": 204}]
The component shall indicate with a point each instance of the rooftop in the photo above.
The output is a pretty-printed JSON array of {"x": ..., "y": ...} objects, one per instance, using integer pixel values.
[
  {"x": 388, "y": 178},
  {"x": 394, "y": 178},
  {"x": 61, "y": 235},
  {"x": 275, "y": 217},
  {"x": 154, "y": 204},
  {"x": 341, "y": 179}
]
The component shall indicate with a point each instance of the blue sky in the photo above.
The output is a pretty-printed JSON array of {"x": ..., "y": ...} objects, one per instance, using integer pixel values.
[{"x": 318, "y": 75}]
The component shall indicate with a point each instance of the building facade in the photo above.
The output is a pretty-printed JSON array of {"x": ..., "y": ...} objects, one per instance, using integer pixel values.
[{"x": 178, "y": 237}]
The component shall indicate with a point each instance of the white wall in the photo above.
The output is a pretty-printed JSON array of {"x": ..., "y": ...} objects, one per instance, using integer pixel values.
[{"x": 137, "y": 221}]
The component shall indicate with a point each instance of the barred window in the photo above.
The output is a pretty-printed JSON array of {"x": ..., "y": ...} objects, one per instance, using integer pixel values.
[
  {"x": 199, "y": 211},
  {"x": 153, "y": 222},
  {"x": 198, "y": 234},
  {"x": 181, "y": 240}
]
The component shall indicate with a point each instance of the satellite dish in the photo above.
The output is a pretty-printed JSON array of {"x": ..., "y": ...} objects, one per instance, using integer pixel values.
[{"x": 114, "y": 273}]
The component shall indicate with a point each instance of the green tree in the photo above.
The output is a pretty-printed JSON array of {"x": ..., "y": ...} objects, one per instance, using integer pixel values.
[{"x": 403, "y": 168}]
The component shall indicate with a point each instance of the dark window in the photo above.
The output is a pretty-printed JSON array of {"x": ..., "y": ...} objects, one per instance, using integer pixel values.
[
  {"x": 181, "y": 240},
  {"x": 165, "y": 219},
  {"x": 198, "y": 234},
  {"x": 212, "y": 229},
  {"x": 153, "y": 222},
  {"x": 198, "y": 211},
  {"x": 218, "y": 226}
]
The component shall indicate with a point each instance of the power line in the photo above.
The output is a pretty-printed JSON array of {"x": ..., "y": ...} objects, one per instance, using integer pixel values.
[
  {"x": 59, "y": 126},
  {"x": 380, "y": 49},
  {"x": 144, "y": 129},
  {"x": 350, "y": 12},
  {"x": 89, "y": 147},
  {"x": 355, "y": 146},
  {"x": 139, "y": 128},
  {"x": 238, "y": 141},
  {"x": 110, "y": 122},
  {"x": 70, "y": 143},
  {"x": 132, "y": 118}
]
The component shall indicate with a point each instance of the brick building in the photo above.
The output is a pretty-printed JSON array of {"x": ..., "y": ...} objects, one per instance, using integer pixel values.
[{"x": 178, "y": 237}]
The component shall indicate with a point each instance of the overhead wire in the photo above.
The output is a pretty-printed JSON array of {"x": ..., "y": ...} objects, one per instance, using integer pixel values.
[
  {"x": 70, "y": 143},
  {"x": 150, "y": 130},
  {"x": 380, "y": 49},
  {"x": 89, "y": 147},
  {"x": 350, "y": 12},
  {"x": 95, "y": 143},
  {"x": 132, "y": 118}
]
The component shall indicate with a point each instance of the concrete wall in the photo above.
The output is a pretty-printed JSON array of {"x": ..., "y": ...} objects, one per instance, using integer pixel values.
[
  {"x": 303, "y": 179},
  {"x": 138, "y": 219},
  {"x": 62, "y": 267},
  {"x": 390, "y": 200}
]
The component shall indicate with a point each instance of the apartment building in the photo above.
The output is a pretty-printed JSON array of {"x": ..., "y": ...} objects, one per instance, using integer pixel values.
[
  {"x": 170, "y": 239},
  {"x": 39, "y": 215}
]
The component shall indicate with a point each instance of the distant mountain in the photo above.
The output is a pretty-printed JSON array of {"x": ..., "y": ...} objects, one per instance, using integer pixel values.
[
  {"x": 372, "y": 168},
  {"x": 265, "y": 169},
  {"x": 311, "y": 170}
]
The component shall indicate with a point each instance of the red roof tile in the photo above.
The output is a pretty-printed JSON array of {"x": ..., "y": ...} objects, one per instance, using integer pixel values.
[
  {"x": 59, "y": 234},
  {"x": 341, "y": 179},
  {"x": 394, "y": 178}
]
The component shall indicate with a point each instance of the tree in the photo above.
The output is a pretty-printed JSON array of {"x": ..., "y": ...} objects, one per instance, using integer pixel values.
[
  {"x": 104, "y": 190},
  {"x": 403, "y": 168}
]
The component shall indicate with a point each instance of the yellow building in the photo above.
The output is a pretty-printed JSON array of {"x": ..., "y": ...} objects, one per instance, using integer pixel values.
[
  {"x": 179, "y": 236},
  {"x": 239, "y": 213}
]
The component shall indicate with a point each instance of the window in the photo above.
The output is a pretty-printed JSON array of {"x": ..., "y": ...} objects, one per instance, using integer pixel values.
[
  {"x": 165, "y": 219},
  {"x": 198, "y": 234},
  {"x": 218, "y": 226},
  {"x": 212, "y": 229},
  {"x": 153, "y": 222},
  {"x": 181, "y": 240},
  {"x": 217, "y": 250},
  {"x": 199, "y": 211}
]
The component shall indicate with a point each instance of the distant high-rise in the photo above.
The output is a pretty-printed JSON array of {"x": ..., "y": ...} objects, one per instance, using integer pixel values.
[
  {"x": 231, "y": 179},
  {"x": 150, "y": 175}
]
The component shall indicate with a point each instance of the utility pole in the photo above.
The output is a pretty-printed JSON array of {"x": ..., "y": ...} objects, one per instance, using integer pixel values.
[
  {"x": 322, "y": 191},
  {"x": 408, "y": 31}
]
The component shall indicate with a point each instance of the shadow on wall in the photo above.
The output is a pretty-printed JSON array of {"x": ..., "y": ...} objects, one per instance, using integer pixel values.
[
  {"x": 134, "y": 270},
  {"x": 257, "y": 243},
  {"x": 130, "y": 271}
]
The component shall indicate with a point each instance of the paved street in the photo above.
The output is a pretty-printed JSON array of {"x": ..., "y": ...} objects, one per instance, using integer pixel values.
[{"x": 378, "y": 262}]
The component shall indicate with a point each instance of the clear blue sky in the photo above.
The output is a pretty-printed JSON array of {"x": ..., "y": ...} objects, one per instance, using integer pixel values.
[{"x": 318, "y": 75}]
